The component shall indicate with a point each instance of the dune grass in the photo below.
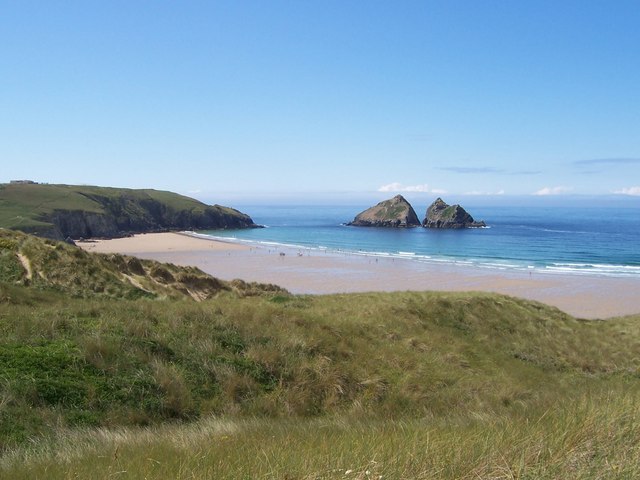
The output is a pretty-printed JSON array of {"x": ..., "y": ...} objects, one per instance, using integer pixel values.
[
  {"x": 585, "y": 439},
  {"x": 386, "y": 372},
  {"x": 49, "y": 265},
  {"x": 95, "y": 383}
]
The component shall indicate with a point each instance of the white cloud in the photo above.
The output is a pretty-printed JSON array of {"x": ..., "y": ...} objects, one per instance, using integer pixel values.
[
  {"x": 635, "y": 191},
  {"x": 439, "y": 191},
  {"x": 478, "y": 192},
  {"x": 398, "y": 187},
  {"x": 553, "y": 190}
]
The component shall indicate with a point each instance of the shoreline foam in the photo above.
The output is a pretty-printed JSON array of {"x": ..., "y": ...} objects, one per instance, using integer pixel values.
[
  {"x": 553, "y": 268},
  {"x": 304, "y": 270}
]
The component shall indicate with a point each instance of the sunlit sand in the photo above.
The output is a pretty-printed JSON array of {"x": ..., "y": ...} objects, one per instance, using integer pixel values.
[{"x": 317, "y": 272}]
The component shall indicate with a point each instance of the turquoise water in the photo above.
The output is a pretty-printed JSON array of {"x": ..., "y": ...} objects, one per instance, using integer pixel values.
[{"x": 594, "y": 241}]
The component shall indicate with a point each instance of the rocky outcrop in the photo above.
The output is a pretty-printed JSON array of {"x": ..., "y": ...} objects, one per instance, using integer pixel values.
[
  {"x": 395, "y": 212},
  {"x": 125, "y": 216},
  {"x": 79, "y": 224},
  {"x": 442, "y": 215}
]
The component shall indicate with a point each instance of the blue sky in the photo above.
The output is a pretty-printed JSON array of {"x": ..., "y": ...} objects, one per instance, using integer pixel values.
[{"x": 253, "y": 100}]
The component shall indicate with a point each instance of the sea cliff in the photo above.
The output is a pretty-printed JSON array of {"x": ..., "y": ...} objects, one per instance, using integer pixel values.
[{"x": 61, "y": 211}]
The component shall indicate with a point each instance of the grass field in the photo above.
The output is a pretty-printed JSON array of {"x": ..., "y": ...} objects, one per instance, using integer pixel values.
[
  {"x": 23, "y": 206},
  {"x": 580, "y": 440},
  {"x": 380, "y": 385}
]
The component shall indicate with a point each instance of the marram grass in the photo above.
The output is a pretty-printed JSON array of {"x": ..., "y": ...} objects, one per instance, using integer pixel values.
[
  {"x": 413, "y": 385},
  {"x": 98, "y": 383},
  {"x": 586, "y": 438}
]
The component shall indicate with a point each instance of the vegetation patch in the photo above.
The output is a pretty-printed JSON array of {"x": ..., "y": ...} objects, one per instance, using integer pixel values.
[
  {"x": 66, "y": 268},
  {"x": 398, "y": 385},
  {"x": 11, "y": 269}
]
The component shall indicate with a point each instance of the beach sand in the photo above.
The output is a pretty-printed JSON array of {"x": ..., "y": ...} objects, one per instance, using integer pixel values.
[{"x": 318, "y": 272}]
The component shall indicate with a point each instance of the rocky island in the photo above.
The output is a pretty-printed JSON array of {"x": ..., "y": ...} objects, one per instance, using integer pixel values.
[
  {"x": 441, "y": 215},
  {"x": 398, "y": 212},
  {"x": 62, "y": 211},
  {"x": 395, "y": 212}
]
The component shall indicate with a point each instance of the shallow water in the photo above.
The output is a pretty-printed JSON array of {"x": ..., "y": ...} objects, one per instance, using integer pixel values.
[{"x": 588, "y": 241}]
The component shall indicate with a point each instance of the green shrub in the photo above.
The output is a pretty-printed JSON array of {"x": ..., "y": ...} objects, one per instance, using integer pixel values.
[
  {"x": 11, "y": 270},
  {"x": 8, "y": 244}
]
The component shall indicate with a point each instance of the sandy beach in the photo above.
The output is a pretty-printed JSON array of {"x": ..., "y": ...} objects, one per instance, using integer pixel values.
[{"x": 318, "y": 272}]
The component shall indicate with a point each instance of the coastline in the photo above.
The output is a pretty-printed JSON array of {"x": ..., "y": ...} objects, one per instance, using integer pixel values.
[{"x": 306, "y": 271}]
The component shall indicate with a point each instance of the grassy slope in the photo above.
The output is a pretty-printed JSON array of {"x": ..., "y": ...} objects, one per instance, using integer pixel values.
[
  {"x": 384, "y": 371},
  {"x": 24, "y": 206},
  {"x": 405, "y": 385},
  {"x": 29, "y": 260}
]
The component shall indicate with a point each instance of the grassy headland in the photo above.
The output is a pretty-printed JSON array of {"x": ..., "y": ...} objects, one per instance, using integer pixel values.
[
  {"x": 97, "y": 382},
  {"x": 59, "y": 211}
]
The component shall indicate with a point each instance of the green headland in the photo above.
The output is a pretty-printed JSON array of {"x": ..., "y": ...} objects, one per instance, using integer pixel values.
[{"x": 61, "y": 211}]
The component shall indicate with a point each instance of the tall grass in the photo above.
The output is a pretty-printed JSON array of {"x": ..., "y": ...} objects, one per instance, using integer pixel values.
[
  {"x": 104, "y": 363},
  {"x": 398, "y": 385},
  {"x": 587, "y": 438}
]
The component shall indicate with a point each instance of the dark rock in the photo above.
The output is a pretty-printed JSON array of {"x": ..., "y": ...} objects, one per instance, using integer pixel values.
[
  {"x": 77, "y": 223},
  {"x": 442, "y": 215},
  {"x": 395, "y": 212}
]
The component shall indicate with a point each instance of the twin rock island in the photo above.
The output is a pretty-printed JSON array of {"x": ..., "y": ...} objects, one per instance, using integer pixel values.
[{"x": 397, "y": 212}]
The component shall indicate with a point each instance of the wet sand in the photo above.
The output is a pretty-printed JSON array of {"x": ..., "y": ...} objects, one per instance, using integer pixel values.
[{"x": 318, "y": 272}]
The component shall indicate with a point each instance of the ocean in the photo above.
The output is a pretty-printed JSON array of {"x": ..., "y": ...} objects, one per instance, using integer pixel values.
[{"x": 552, "y": 240}]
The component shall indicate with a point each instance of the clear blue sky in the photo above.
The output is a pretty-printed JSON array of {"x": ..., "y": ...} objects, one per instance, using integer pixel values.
[{"x": 323, "y": 99}]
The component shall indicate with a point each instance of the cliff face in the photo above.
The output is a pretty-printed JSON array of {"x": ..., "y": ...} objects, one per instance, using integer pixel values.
[
  {"x": 395, "y": 212},
  {"x": 442, "y": 215},
  {"x": 127, "y": 216},
  {"x": 61, "y": 211}
]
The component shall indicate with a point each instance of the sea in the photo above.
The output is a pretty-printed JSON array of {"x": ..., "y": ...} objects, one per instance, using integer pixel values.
[{"x": 549, "y": 239}]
